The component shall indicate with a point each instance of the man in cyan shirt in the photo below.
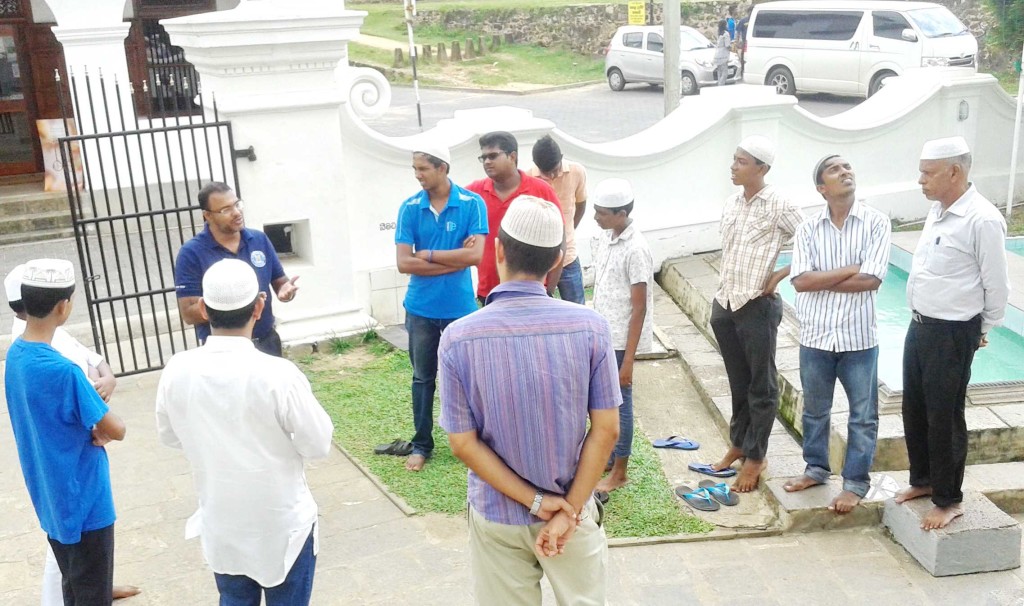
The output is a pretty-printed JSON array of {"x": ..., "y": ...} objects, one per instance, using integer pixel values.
[
  {"x": 247, "y": 421},
  {"x": 533, "y": 462},
  {"x": 499, "y": 154},
  {"x": 60, "y": 425}
]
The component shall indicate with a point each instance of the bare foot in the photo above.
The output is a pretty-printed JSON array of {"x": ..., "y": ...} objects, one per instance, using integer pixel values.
[
  {"x": 749, "y": 475},
  {"x": 125, "y": 591},
  {"x": 940, "y": 517},
  {"x": 912, "y": 492},
  {"x": 616, "y": 479},
  {"x": 801, "y": 483},
  {"x": 734, "y": 454},
  {"x": 415, "y": 462},
  {"x": 844, "y": 502}
]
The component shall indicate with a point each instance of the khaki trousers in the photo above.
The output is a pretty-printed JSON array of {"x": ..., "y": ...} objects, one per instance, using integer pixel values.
[{"x": 507, "y": 571}]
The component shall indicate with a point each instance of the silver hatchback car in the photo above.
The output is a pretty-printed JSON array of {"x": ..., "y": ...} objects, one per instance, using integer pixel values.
[{"x": 636, "y": 54}]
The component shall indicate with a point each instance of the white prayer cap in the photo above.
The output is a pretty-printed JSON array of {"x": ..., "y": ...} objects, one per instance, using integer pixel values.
[
  {"x": 613, "y": 193},
  {"x": 12, "y": 284},
  {"x": 427, "y": 145},
  {"x": 759, "y": 147},
  {"x": 533, "y": 221},
  {"x": 48, "y": 273},
  {"x": 229, "y": 284},
  {"x": 940, "y": 149}
]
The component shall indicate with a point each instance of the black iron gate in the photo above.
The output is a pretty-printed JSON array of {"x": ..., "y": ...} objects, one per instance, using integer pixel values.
[{"x": 132, "y": 185}]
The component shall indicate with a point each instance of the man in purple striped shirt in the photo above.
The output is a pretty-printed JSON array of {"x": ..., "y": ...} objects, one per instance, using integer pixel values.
[
  {"x": 519, "y": 379},
  {"x": 840, "y": 257}
]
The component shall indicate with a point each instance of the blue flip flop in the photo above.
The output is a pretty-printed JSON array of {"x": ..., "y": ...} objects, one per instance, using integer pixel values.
[
  {"x": 698, "y": 498},
  {"x": 720, "y": 492},
  {"x": 677, "y": 443},
  {"x": 706, "y": 469}
]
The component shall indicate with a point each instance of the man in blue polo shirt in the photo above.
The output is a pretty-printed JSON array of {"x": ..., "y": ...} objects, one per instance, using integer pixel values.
[
  {"x": 437, "y": 242},
  {"x": 225, "y": 236}
]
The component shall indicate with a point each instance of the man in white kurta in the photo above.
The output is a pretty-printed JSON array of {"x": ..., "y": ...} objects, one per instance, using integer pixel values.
[{"x": 247, "y": 422}]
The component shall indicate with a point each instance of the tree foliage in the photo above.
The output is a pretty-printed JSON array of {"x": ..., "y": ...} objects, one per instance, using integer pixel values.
[{"x": 1008, "y": 32}]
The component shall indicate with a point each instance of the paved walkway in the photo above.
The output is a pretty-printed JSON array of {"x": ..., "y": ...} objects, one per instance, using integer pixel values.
[{"x": 373, "y": 554}]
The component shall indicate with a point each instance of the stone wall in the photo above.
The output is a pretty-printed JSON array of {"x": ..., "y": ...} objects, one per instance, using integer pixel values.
[{"x": 586, "y": 29}]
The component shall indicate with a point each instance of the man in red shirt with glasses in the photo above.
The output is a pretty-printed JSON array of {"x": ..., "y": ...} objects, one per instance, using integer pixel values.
[{"x": 499, "y": 153}]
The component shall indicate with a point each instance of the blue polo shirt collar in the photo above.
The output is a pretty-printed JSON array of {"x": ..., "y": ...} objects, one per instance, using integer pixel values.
[
  {"x": 453, "y": 198},
  {"x": 207, "y": 237}
]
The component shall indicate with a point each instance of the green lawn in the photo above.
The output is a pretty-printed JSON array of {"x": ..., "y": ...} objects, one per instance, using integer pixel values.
[{"x": 364, "y": 386}]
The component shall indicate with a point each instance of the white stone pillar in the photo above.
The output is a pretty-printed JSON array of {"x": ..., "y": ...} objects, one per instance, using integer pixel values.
[{"x": 271, "y": 66}]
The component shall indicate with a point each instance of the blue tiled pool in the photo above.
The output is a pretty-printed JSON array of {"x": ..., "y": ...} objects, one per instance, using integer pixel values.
[
  {"x": 1002, "y": 360},
  {"x": 1015, "y": 245}
]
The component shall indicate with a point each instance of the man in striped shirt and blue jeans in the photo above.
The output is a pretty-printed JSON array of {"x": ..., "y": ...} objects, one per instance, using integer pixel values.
[
  {"x": 840, "y": 257},
  {"x": 519, "y": 380}
]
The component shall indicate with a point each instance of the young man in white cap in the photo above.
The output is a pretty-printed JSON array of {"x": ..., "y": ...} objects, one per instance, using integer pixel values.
[
  {"x": 569, "y": 180},
  {"x": 60, "y": 425},
  {"x": 247, "y": 422},
  {"x": 102, "y": 377},
  {"x": 840, "y": 257},
  {"x": 623, "y": 295},
  {"x": 957, "y": 292},
  {"x": 746, "y": 311},
  {"x": 440, "y": 234},
  {"x": 532, "y": 461}
]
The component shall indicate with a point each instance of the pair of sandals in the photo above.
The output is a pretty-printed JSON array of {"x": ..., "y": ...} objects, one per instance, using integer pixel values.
[{"x": 708, "y": 495}]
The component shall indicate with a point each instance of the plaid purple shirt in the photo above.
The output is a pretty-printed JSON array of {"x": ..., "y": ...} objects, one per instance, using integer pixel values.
[{"x": 524, "y": 373}]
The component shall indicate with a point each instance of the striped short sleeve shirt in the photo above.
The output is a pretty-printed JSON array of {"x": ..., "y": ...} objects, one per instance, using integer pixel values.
[
  {"x": 524, "y": 372},
  {"x": 753, "y": 232},
  {"x": 840, "y": 321}
]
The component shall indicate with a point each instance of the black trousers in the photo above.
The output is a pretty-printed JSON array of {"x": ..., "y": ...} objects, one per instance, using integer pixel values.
[
  {"x": 88, "y": 568},
  {"x": 269, "y": 343},
  {"x": 747, "y": 338},
  {"x": 937, "y": 360}
]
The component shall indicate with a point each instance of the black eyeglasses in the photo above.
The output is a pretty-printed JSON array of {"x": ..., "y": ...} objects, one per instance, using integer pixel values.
[{"x": 490, "y": 157}]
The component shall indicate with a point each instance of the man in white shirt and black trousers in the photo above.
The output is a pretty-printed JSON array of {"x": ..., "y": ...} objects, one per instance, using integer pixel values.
[
  {"x": 247, "y": 422},
  {"x": 957, "y": 292}
]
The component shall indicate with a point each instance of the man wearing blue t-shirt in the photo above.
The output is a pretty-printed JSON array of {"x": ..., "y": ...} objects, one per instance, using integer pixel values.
[
  {"x": 60, "y": 426},
  {"x": 436, "y": 238},
  {"x": 225, "y": 236}
]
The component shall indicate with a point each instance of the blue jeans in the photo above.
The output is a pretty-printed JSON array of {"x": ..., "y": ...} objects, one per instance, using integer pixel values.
[
  {"x": 858, "y": 373},
  {"x": 624, "y": 447},
  {"x": 570, "y": 285},
  {"x": 424, "y": 337},
  {"x": 240, "y": 590}
]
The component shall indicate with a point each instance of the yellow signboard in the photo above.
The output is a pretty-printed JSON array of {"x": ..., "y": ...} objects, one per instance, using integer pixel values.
[{"x": 637, "y": 12}]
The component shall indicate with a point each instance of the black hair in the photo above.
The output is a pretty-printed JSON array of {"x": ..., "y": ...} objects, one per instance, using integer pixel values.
[
  {"x": 722, "y": 26},
  {"x": 546, "y": 154},
  {"x": 626, "y": 209},
  {"x": 819, "y": 168},
  {"x": 17, "y": 307},
  {"x": 39, "y": 302},
  {"x": 434, "y": 161},
  {"x": 504, "y": 141},
  {"x": 527, "y": 259},
  {"x": 214, "y": 187},
  {"x": 235, "y": 318}
]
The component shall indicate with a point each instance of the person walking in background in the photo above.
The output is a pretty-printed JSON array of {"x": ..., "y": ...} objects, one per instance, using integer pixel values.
[
  {"x": 247, "y": 421},
  {"x": 746, "y": 311},
  {"x": 569, "y": 180},
  {"x": 722, "y": 53},
  {"x": 440, "y": 234},
  {"x": 840, "y": 257},
  {"x": 61, "y": 425},
  {"x": 624, "y": 295},
  {"x": 533, "y": 461},
  {"x": 957, "y": 292}
]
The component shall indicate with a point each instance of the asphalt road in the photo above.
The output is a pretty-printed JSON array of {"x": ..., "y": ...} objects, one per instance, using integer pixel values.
[{"x": 593, "y": 113}]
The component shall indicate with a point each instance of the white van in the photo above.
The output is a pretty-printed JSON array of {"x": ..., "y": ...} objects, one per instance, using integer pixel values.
[{"x": 849, "y": 47}]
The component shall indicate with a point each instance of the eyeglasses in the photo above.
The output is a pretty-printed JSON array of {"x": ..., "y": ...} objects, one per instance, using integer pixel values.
[
  {"x": 227, "y": 210},
  {"x": 490, "y": 157}
]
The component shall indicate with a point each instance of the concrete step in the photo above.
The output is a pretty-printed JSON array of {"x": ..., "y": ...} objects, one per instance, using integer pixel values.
[
  {"x": 22, "y": 224},
  {"x": 39, "y": 235},
  {"x": 22, "y": 179},
  {"x": 983, "y": 539},
  {"x": 19, "y": 204}
]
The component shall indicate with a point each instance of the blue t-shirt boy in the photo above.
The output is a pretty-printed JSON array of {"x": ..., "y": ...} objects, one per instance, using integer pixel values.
[
  {"x": 448, "y": 296},
  {"x": 53, "y": 408}
]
